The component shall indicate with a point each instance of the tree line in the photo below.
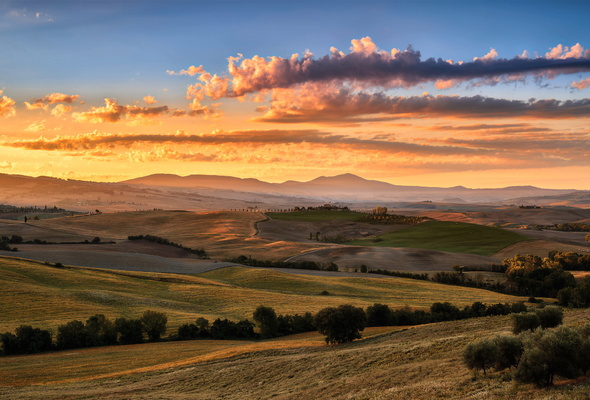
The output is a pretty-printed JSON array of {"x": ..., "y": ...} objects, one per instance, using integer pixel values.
[
  {"x": 160, "y": 240},
  {"x": 338, "y": 324}
]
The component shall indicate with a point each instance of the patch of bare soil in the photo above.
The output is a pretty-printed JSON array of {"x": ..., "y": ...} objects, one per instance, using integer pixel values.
[
  {"x": 298, "y": 231},
  {"x": 137, "y": 255},
  {"x": 350, "y": 258}
]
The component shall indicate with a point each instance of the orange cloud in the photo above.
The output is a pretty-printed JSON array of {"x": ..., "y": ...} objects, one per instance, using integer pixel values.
[
  {"x": 149, "y": 99},
  {"x": 7, "y": 106},
  {"x": 583, "y": 84},
  {"x": 52, "y": 98}
]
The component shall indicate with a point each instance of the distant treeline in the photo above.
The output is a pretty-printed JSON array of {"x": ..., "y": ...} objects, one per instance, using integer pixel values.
[
  {"x": 4, "y": 208},
  {"x": 399, "y": 274},
  {"x": 99, "y": 330},
  {"x": 160, "y": 240},
  {"x": 567, "y": 227},
  {"x": 376, "y": 218},
  {"x": 310, "y": 265}
]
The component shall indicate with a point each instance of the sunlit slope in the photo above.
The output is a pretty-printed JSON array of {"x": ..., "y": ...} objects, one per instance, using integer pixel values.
[
  {"x": 223, "y": 234},
  {"x": 447, "y": 236},
  {"x": 44, "y": 296},
  {"x": 421, "y": 363}
]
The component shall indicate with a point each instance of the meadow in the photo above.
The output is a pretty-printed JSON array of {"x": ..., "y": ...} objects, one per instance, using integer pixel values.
[
  {"x": 456, "y": 237},
  {"x": 421, "y": 362},
  {"x": 45, "y": 296}
]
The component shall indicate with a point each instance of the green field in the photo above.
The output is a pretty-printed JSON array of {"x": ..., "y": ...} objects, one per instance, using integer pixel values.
[
  {"x": 46, "y": 297},
  {"x": 317, "y": 216},
  {"x": 455, "y": 237}
]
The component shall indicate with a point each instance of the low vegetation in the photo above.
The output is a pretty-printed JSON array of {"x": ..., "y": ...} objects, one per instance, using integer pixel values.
[
  {"x": 447, "y": 236},
  {"x": 160, "y": 240}
]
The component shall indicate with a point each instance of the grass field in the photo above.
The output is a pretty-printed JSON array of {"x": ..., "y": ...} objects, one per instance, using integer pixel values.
[
  {"x": 447, "y": 236},
  {"x": 317, "y": 216},
  {"x": 223, "y": 234},
  {"x": 419, "y": 363},
  {"x": 46, "y": 297}
]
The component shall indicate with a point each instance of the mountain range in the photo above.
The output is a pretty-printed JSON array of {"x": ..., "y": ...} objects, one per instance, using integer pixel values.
[{"x": 210, "y": 192}]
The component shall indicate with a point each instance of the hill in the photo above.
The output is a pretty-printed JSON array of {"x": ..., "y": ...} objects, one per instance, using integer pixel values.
[
  {"x": 420, "y": 363},
  {"x": 44, "y": 296}
]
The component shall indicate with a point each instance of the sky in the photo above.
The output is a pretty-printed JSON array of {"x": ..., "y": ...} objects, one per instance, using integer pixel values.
[{"x": 429, "y": 93}]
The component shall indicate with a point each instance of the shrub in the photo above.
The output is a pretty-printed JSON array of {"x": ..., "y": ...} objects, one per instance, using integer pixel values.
[
  {"x": 525, "y": 321},
  {"x": 483, "y": 354},
  {"x": 550, "y": 317},
  {"x": 341, "y": 324}
]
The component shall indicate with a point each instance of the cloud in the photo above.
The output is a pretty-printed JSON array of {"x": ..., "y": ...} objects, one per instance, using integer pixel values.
[
  {"x": 149, "y": 99},
  {"x": 582, "y": 84},
  {"x": 52, "y": 98},
  {"x": 366, "y": 66},
  {"x": 330, "y": 103},
  {"x": 60, "y": 110},
  {"x": 191, "y": 71},
  {"x": 36, "y": 127},
  {"x": 113, "y": 112},
  {"x": 7, "y": 106}
]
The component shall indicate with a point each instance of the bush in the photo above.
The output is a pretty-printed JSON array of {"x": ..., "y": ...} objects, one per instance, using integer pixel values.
[
  {"x": 550, "y": 317},
  {"x": 341, "y": 324},
  {"x": 483, "y": 354},
  {"x": 525, "y": 321}
]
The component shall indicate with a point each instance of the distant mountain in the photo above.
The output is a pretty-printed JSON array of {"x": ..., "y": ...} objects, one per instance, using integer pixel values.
[{"x": 345, "y": 187}]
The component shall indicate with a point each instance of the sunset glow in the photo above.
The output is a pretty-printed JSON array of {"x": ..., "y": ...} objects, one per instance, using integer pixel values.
[{"x": 411, "y": 93}]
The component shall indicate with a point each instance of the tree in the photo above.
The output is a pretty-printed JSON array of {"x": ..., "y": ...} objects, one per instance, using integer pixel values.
[
  {"x": 72, "y": 335},
  {"x": 154, "y": 324},
  {"x": 510, "y": 350},
  {"x": 341, "y": 324},
  {"x": 587, "y": 237},
  {"x": 379, "y": 315},
  {"x": 129, "y": 331},
  {"x": 483, "y": 354},
  {"x": 266, "y": 318},
  {"x": 549, "y": 353},
  {"x": 100, "y": 331}
]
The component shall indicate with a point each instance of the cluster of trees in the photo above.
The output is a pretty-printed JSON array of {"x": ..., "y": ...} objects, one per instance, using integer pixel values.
[
  {"x": 399, "y": 274},
  {"x": 567, "y": 227},
  {"x": 536, "y": 355},
  {"x": 97, "y": 331},
  {"x": 325, "y": 207},
  {"x": 221, "y": 329},
  {"x": 379, "y": 217},
  {"x": 6, "y": 241},
  {"x": 576, "y": 297},
  {"x": 311, "y": 265},
  {"x": 160, "y": 240},
  {"x": 536, "y": 276}
]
